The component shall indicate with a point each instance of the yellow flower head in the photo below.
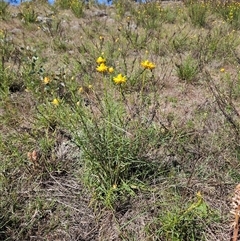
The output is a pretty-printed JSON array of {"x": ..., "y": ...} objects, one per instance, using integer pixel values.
[
  {"x": 120, "y": 79},
  {"x": 222, "y": 70},
  {"x": 199, "y": 195},
  {"x": 148, "y": 65},
  {"x": 56, "y": 102},
  {"x": 46, "y": 80},
  {"x": 80, "y": 90},
  {"x": 110, "y": 70},
  {"x": 102, "y": 68},
  {"x": 100, "y": 60},
  {"x": 2, "y": 34}
]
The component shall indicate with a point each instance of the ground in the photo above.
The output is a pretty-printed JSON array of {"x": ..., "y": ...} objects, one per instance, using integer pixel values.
[{"x": 195, "y": 153}]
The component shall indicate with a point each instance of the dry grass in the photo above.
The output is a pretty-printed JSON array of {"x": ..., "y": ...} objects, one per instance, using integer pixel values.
[{"x": 116, "y": 162}]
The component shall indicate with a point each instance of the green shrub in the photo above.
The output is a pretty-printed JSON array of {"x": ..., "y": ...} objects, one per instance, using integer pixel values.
[
  {"x": 197, "y": 12},
  {"x": 113, "y": 149},
  {"x": 187, "y": 70},
  {"x": 28, "y": 14},
  {"x": 185, "y": 223},
  {"x": 230, "y": 12},
  {"x": 4, "y": 9}
]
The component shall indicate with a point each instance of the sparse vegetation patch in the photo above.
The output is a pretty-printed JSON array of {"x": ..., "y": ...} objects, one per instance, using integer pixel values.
[{"x": 119, "y": 122}]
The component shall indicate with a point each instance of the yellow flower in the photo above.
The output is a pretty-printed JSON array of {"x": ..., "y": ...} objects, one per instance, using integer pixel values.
[
  {"x": 102, "y": 68},
  {"x": 100, "y": 60},
  {"x": 196, "y": 204},
  {"x": 80, "y": 90},
  {"x": 84, "y": 89},
  {"x": 148, "y": 65},
  {"x": 2, "y": 34},
  {"x": 222, "y": 70},
  {"x": 114, "y": 186},
  {"x": 55, "y": 102},
  {"x": 46, "y": 80},
  {"x": 120, "y": 79},
  {"x": 199, "y": 195},
  {"x": 110, "y": 70}
]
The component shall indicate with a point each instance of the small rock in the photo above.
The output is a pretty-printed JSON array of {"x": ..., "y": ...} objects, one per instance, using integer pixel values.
[
  {"x": 42, "y": 19},
  {"x": 100, "y": 13},
  {"x": 16, "y": 31}
]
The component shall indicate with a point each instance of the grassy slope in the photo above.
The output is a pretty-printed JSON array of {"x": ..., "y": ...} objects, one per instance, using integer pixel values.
[{"x": 181, "y": 125}]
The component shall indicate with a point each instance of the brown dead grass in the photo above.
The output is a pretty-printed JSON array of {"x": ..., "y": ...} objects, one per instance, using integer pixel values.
[{"x": 71, "y": 217}]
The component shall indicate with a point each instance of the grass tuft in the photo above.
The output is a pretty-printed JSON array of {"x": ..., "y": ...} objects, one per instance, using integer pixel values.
[{"x": 118, "y": 122}]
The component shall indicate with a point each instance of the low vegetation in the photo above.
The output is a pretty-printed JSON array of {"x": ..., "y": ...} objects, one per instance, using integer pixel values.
[{"x": 119, "y": 122}]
